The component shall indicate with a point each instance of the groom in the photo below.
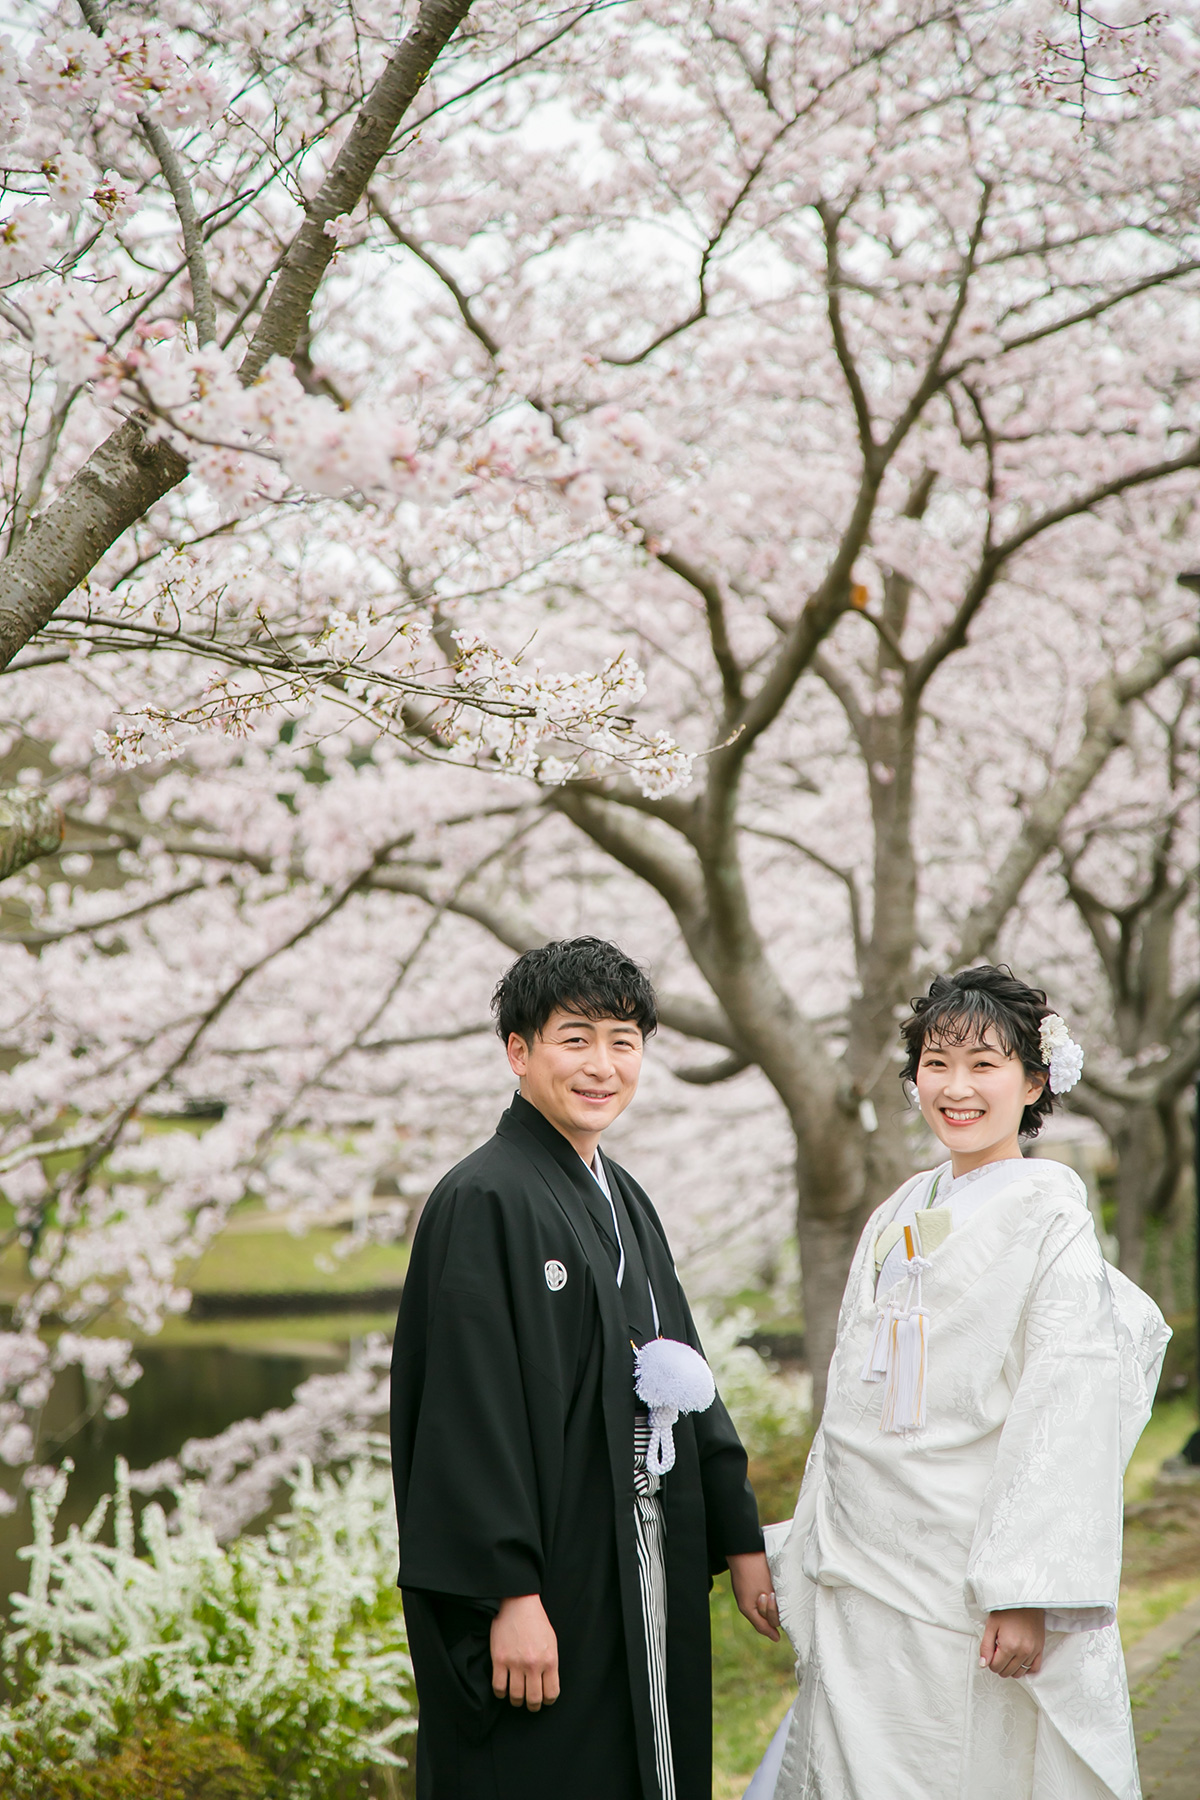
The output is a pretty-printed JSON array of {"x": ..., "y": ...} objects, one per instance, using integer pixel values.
[{"x": 555, "y": 1588}]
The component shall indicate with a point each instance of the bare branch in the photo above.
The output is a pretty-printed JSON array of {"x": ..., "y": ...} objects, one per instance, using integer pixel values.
[
  {"x": 843, "y": 693},
  {"x": 644, "y": 852},
  {"x": 709, "y": 1074}
]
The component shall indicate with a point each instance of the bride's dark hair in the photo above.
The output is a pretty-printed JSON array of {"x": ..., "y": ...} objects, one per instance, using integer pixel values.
[{"x": 960, "y": 1008}]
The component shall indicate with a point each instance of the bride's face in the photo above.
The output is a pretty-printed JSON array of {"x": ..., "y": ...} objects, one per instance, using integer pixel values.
[{"x": 973, "y": 1095}]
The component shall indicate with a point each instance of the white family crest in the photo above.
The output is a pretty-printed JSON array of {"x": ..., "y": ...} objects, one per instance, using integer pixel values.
[{"x": 556, "y": 1276}]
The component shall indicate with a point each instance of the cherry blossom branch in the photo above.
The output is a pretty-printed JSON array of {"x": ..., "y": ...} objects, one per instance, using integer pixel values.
[
  {"x": 181, "y": 193},
  {"x": 994, "y": 560},
  {"x": 691, "y": 1017},
  {"x": 111, "y": 1135},
  {"x": 35, "y": 939},
  {"x": 517, "y": 62},
  {"x": 29, "y": 497},
  {"x": 129, "y": 836},
  {"x": 1084, "y": 316},
  {"x": 123, "y": 478},
  {"x": 934, "y": 376},
  {"x": 286, "y": 312},
  {"x": 451, "y": 1035},
  {"x": 845, "y": 876},
  {"x": 404, "y": 969},
  {"x": 830, "y": 599},
  {"x": 709, "y": 590},
  {"x": 463, "y": 301},
  {"x": 1104, "y": 728},
  {"x": 831, "y": 221}
]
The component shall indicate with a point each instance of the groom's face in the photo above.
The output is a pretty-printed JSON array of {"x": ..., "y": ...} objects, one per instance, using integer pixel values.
[{"x": 580, "y": 1073}]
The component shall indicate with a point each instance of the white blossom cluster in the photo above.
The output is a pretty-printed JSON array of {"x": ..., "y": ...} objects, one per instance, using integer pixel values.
[{"x": 293, "y": 1638}]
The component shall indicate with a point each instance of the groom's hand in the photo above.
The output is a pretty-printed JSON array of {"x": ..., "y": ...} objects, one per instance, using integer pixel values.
[
  {"x": 524, "y": 1653},
  {"x": 754, "y": 1592}
]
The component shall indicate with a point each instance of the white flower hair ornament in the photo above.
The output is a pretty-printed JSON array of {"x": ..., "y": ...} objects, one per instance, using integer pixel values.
[
  {"x": 670, "y": 1378},
  {"x": 1061, "y": 1054}
]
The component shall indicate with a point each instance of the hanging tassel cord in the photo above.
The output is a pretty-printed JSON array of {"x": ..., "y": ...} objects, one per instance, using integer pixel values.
[
  {"x": 890, "y": 1315},
  {"x": 660, "y": 1455},
  {"x": 898, "y": 1354}
]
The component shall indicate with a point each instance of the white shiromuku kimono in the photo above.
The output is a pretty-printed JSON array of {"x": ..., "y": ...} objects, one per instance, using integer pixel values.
[{"x": 1041, "y": 1367}]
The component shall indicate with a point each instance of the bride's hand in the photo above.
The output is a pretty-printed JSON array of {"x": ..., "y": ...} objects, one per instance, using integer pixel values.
[
  {"x": 754, "y": 1592},
  {"x": 1013, "y": 1641}
]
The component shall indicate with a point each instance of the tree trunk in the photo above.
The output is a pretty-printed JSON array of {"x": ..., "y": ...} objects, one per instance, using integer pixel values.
[
  {"x": 30, "y": 826},
  {"x": 1152, "y": 1145},
  {"x": 826, "y": 1246},
  {"x": 1144, "y": 1175},
  {"x": 872, "y": 1165}
]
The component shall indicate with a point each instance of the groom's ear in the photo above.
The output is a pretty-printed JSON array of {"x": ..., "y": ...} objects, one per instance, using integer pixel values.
[{"x": 518, "y": 1053}]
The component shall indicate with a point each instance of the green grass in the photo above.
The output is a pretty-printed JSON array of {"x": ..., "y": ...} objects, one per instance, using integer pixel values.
[
  {"x": 303, "y": 1334},
  {"x": 1171, "y": 1424},
  {"x": 275, "y": 1262},
  {"x": 753, "y": 1687},
  {"x": 1141, "y": 1608},
  {"x": 753, "y": 1684}
]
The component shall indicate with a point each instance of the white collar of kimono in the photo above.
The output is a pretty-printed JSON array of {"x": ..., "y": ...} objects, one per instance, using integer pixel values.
[
  {"x": 983, "y": 1181},
  {"x": 596, "y": 1169},
  {"x": 669, "y": 1377}
]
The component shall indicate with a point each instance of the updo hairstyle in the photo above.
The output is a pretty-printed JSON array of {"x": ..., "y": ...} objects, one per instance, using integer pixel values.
[{"x": 958, "y": 1009}]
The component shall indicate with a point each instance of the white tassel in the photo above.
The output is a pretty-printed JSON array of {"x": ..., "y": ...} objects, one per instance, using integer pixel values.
[
  {"x": 875, "y": 1367},
  {"x": 899, "y": 1351},
  {"x": 670, "y": 1378},
  {"x": 904, "y": 1396}
]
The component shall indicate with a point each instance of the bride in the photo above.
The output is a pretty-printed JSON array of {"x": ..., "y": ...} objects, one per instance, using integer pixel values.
[{"x": 950, "y": 1577}]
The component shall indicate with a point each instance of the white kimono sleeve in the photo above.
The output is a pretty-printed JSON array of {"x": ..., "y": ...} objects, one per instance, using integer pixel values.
[{"x": 1049, "y": 1532}]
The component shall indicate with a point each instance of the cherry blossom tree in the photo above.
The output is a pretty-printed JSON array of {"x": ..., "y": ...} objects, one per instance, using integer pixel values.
[
  {"x": 813, "y": 363},
  {"x": 179, "y": 187},
  {"x": 912, "y": 329}
]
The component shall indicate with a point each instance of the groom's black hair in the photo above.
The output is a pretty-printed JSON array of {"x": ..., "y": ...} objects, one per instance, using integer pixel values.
[
  {"x": 959, "y": 1008},
  {"x": 582, "y": 975}
]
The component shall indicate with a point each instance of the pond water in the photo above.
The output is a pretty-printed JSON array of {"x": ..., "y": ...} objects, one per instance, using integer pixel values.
[{"x": 185, "y": 1391}]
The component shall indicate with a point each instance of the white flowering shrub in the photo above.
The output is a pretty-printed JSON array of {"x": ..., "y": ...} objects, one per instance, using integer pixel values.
[
  {"x": 291, "y": 1641},
  {"x": 764, "y": 1404}
]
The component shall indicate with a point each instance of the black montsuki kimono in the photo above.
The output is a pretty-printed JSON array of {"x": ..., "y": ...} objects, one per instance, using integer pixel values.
[{"x": 512, "y": 1451}]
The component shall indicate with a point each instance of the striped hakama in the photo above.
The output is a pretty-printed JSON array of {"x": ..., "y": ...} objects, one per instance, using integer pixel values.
[{"x": 652, "y": 1579}]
